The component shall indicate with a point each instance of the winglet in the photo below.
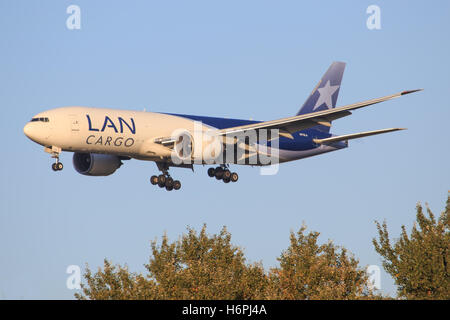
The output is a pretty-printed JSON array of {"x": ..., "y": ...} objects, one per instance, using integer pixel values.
[{"x": 410, "y": 91}]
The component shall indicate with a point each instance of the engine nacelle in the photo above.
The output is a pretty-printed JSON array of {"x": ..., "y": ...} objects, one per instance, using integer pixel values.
[
  {"x": 94, "y": 164},
  {"x": 184, "y": 146},
  {"x": 200, "y": 147}
]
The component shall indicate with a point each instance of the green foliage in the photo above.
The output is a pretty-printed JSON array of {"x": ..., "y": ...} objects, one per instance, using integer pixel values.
[
  {"x": 197, "y": 266},
  {"x": 419, "y": 262},
  {"x": 204, "y": 267},
  {"x": 116, "y": 282},
  {"x": 200, "y": 266},
  {"x": 312, "y": 271}
]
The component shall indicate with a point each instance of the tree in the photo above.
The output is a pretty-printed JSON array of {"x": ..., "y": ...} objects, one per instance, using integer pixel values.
[
  {"x": 200, "y": 266},
  {"x": 419, "y": 262},
  {"x": 205, "y": 267},
  {"x": 197, "y": 266},
  {"x": 312, "y": 271},
  {"x": 116, "y": 283}
]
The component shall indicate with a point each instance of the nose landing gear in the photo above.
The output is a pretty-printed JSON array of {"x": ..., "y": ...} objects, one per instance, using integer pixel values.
[
  {"x": 57, "y": 166},
  {"x": 223, "y": 173},
  {"x": 55, "y": 152}
]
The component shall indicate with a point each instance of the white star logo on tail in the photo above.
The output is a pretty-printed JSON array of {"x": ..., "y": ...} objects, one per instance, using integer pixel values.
[{"x": 325, "y": 95}]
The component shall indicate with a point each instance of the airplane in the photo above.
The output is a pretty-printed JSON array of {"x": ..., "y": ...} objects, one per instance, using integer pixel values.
[{"x": 102, "y": 138}]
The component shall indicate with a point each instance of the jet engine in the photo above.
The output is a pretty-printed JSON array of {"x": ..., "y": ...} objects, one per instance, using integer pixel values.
[
  {"x": 184, "y": 146},
  {"x": 94, "y": 164},
  {"x": 201, "y": 147}
]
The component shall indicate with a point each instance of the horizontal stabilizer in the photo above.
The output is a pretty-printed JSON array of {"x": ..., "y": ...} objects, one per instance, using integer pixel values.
[{"x": 354, "y": 136}]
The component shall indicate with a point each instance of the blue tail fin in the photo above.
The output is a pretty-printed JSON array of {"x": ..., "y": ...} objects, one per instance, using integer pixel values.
[{"x": 325, "y": 94}]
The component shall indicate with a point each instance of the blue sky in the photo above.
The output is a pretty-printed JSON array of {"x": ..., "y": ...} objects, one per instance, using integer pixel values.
[{"x": 240, "y": 59}]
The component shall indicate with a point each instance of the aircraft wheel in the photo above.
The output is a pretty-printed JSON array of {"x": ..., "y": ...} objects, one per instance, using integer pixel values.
[
  {"x": 59, "y": 166},
  {"x": 169, "y": 183},
  {"x": 169, "y": 188},
  {"x": 154, "y": 180},
  {"x": 162, "y": 179},
  {"x": 54, "y": 167},
  {"x": 219, "y": 173},
  {"x": 234, "y": 177},
  {"x": 177, "y": 185},
  {"x": 211, "y": 172},
  {"x": 226, "y": 174},
  {"x": 226, "y": 180}
]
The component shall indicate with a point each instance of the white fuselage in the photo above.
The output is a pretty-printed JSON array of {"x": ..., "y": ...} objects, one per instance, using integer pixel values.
[
  {"x": 123, "y": 133},
  {"x": 110, "y": 131}
]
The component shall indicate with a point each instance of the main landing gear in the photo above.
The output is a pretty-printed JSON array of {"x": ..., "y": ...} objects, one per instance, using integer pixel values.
[
  {"x": 223, "y": 173},
  {"x": 164, "y": 180}
]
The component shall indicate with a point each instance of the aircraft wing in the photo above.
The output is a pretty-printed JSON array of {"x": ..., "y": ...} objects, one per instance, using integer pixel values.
[{"x": 287, "y": 126}]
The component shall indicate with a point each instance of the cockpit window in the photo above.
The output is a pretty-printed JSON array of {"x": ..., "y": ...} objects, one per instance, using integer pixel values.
[{"x": 40, "y": 119}]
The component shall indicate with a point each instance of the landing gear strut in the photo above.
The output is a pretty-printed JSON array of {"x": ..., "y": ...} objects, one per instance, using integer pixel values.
[
  {"x": 223, "y": 173},
  {"x": 55, "y": 152},
  {"x": 164, "y": 180}
]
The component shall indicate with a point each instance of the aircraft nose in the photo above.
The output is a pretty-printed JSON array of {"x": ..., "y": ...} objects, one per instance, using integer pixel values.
[{"x": 30, "y": 130}]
